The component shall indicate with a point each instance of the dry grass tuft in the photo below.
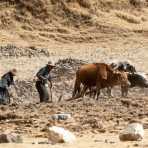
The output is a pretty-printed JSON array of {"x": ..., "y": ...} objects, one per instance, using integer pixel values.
[
  {"x": 128, "y": 17},
  {"x": 84, "y": 3},
  {"x": 138, "y": 3},
  {"x": 45, "y": 19}
]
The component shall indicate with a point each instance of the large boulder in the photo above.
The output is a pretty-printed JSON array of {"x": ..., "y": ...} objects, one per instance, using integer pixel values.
[
  {"x": 60, "y": 135},
  {"x": 10, "y": 138},
  {"x": 133, "y": 132}
]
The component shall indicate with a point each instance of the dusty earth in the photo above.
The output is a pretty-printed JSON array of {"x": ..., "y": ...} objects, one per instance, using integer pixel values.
[
  {"x": 71, "y": 33},
  {"x": 95, "y": 123}
]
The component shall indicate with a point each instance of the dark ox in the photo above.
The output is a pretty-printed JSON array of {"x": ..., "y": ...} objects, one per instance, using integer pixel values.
[
  {"x": 138, "y": 80},
  {"x": 123, "y": 66},
  {"x": 100, "y": 75}
]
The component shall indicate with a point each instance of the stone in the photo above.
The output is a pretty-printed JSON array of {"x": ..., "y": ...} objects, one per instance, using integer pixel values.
[
  {"x": 10, "y": 138},
  {"x": 133, "y": 132},
  {"x": 61, "y": 116},
  {"x": 60, "y": 135}
]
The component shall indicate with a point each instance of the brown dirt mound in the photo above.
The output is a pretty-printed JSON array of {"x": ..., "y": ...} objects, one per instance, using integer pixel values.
[
  {"x": 70, "y": 20},
  {"x": 67, "y": 67}
]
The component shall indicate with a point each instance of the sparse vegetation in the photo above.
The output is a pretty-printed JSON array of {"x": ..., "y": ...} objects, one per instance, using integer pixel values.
[
  {"x": 71, "y": 33},
  {"x": 138, "y": 3},
  {"x": 48, "y": 17},
  {"x": 127, "y": 17}
]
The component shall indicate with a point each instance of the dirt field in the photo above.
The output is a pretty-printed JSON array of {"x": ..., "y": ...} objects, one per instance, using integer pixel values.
[
  {"x": 102, "y": 119},
  {"x": 71, "y": 33}
]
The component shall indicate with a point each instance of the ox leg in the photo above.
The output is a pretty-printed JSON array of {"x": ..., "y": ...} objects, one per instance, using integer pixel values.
[
  {"x": 98, "y": 90},
  {"x": 76, "y": 87},
  {"x": 109, "y": 92},
  {"x": 98, "y": 94},
  {"x": 90, "y": 92},
  {"x": 83, "y": 91},
  {"x": 104, "y": 91},
  {"x": 94, "y": 93},
  {"x": 74, "y": 93},
  {"x": 124, "y": 91}
]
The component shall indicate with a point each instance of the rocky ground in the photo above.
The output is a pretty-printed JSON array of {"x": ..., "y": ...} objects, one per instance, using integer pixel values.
[
  {"x": 70, "y": 33},
  {"x": 26, "y": 116}
]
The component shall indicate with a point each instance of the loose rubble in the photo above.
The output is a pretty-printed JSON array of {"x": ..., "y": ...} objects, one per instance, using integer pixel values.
[
  {"x": 87, "y": 115},
  {"x": 133, "y": 132},
  {"x": 13, "y": 51},
  {"x": 67, "y": 67}
]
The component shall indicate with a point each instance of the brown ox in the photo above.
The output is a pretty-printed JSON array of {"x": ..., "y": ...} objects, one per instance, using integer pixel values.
[
  {"x": 100, "y": 75},
  {"x": 117, "y": 78}
]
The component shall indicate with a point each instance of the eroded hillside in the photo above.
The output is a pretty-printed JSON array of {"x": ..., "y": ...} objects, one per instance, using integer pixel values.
[{"x": 65, "y": 21}]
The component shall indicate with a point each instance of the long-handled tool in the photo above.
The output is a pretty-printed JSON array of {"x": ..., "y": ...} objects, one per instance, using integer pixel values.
[
  {"x": 50, "y": 93},
  {"x": 50, "y": 89}
]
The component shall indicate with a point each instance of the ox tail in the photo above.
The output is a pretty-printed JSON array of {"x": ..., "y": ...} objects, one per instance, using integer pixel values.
[{"x": 76, "y": 85}]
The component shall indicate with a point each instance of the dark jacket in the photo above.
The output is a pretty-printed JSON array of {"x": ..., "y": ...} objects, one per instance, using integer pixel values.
[
  {"x": 7, "y": 80},
  {"x": 44, "y": 74}
]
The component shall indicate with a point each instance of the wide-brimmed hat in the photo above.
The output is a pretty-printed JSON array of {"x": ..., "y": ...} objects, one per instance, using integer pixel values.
[
  {"x": 51, "y": 64},
  {"x": 13, "y": 71}
]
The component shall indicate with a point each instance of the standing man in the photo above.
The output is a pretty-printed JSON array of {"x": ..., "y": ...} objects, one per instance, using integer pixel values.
[
  {"x": 42, "y": 82},
  {"x": 5, "y": 82}
]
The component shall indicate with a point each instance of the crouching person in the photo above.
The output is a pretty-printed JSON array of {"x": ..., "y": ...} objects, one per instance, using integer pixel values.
[
  {"x": 5, "y": 82},
  {"x": 43, "y": 79}
]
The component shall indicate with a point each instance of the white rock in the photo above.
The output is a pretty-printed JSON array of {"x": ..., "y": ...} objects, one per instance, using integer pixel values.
[
  {"x": 60, "y": 135},
  {"x": 133, "y": 132},
  {"x": 61, "y": 116}
]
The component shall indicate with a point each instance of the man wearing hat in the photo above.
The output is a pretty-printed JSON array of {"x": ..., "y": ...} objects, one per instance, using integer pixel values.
[
  {"x": 43, "y": 80},
  {"x": 5, "y": 82}
]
